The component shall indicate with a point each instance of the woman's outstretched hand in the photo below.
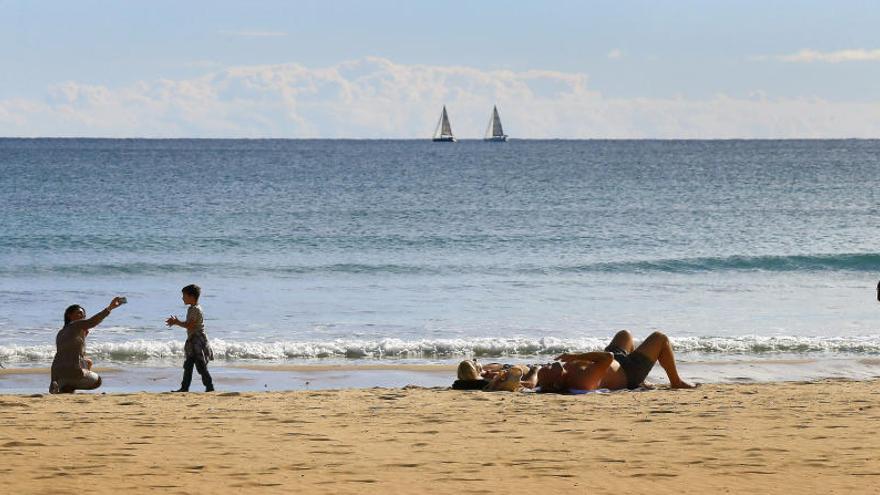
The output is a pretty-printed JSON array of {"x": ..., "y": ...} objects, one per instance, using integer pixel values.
[{"x": 115, "y": 303}]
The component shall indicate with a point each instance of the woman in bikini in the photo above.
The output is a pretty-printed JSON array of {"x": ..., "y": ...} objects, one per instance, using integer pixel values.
[{"x": 495, "y": 376}]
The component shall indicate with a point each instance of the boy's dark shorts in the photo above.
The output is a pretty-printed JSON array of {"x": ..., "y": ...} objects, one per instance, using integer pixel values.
[{"x": 635, "y": 365}]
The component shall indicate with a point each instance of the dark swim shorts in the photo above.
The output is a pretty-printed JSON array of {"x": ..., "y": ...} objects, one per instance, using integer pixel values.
[{"x": 635, "y": 365}]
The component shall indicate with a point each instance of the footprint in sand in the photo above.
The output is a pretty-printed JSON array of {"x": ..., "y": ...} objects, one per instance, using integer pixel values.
[
  {"x": 23, "y": 444},
  {"x": 653, "y": 475}
]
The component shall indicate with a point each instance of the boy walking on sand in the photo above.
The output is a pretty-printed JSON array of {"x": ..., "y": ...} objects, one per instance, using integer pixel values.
[{"x": 197, "y": 350}]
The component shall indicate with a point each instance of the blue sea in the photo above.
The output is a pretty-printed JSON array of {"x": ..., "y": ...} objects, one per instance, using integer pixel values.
[{"x": 748, "y": 254}]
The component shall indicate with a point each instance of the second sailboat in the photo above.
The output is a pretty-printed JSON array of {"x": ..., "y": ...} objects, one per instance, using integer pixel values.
[
  {"x": 443, "y": 133},
  {"x": 494, "y": 132}
]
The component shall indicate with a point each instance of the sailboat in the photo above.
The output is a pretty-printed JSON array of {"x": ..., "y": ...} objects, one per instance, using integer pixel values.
[
  {"x": 494, "y": 132},
  {"x": 443, "y": 133}
]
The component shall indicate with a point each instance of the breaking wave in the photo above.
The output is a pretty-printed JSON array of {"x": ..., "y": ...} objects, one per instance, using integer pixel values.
[{"x": 147, "y": 350}]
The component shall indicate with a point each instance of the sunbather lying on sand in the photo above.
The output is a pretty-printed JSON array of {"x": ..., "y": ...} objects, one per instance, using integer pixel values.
[
  {"x": 495, "y": 376},
  {"x": 619, "y": 367},
  {"x": 514, "y": 378}
]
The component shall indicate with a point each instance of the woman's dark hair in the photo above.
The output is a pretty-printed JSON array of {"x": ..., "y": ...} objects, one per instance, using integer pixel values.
[
  {"x": 192, "y": 290},
  {"x": 71, "y": 309}
]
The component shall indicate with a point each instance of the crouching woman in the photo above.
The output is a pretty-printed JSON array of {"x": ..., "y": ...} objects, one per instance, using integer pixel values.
[{"x": 71, "y": 370}]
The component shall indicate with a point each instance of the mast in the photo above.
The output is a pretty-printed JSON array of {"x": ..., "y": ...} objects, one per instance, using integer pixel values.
[{"x": 490, "y": 129}]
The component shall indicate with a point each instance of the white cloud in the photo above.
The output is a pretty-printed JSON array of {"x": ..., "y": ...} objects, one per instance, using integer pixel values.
[
  {"x": 255, "y": 34},
  {"x": 377, "y": 98},
  {"x": 810, "y": 56},
  {"x": 615, "y": 54}
]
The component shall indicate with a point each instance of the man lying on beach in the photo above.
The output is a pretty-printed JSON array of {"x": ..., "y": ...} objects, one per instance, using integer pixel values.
[{"x": 618, "y": 367}]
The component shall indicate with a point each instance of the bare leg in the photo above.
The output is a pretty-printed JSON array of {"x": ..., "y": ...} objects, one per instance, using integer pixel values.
[
  {"x": 96, "y": 385},
  {"x": 530, "y": 379},
  {"x": 491, "y": 370},
  {"x": 623, "y": 340},
  {"x": 658, "y": 349}
]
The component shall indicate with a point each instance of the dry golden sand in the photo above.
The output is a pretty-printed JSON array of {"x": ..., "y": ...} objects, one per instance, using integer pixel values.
[{"x": 773, "y": 438}]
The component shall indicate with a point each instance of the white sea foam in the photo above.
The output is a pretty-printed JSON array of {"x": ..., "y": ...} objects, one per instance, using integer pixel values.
[{"x": 146, "y": 350}]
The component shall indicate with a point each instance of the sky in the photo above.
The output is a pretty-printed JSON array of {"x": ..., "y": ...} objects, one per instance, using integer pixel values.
[{"x": 384, "y": 69}]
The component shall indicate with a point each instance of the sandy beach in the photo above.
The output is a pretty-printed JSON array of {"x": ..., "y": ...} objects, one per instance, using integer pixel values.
[{"x": 771, "y": 438}]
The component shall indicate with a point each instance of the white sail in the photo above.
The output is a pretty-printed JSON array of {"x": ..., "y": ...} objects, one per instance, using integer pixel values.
[
  {"x": 439, "y": 126},
  {"x": 494, "y": 132},
  {"x": 443, "y": 132}
]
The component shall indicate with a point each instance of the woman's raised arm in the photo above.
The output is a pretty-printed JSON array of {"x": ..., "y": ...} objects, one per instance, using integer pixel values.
[{"x": 97, "y": 318}]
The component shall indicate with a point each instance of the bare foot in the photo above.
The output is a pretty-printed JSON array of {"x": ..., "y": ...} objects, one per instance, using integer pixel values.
[
  {"x": 648, "y": 386},
  {"x": 683, "y": 384}
]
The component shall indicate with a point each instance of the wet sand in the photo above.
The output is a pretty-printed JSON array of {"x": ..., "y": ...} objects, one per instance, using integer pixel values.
[
  {"x": 241, "y": 378},
  {"x": 275, "y": 377},
  {"x": 773, "y": 438}
]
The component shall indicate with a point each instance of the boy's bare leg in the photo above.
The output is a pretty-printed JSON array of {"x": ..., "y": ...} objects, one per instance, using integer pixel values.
[
  {"x": 623, "y": 340},
  {"x": 657, "y": 348}
]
